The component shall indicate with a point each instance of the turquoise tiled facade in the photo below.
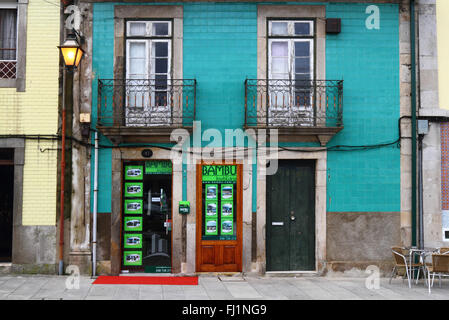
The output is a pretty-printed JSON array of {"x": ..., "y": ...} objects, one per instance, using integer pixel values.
[
  {"x": 220, "y": 51},
  {"x": 368, "y": 62}
]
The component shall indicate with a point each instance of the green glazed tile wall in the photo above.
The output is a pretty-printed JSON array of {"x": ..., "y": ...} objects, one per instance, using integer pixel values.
[
  {"x": 220, "y": 51},
  {"x": 368, "y": 62}
]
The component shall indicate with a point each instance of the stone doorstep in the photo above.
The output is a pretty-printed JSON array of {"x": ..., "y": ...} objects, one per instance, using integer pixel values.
[
  {"x": 156, "y": 275},
  {"x": 232, "y": 278},
  {"x": 5, "y": 268}
]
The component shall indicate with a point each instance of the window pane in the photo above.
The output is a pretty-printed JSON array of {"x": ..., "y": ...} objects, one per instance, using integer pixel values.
[
  {"x": 137, "y": 28},
  {"x": 302, "y": 79},
  {"x": 279, "y": 65},
  {"x": 160, "y": 29},
  {"x": 302, "y": 65},
  {"x": 302, "y": 28},
  {"x": 279, "y": 49},
  {"x": 137, "y": 60},
  {"x": 137, "y": 50},
  {"x": 279, "y": 28},
  {"x": 302, "y": 49},
  {"x": 161, "y": 65},
  {"x": 137, "y": 66},
  {"x": 161, "y": 98},
  {"x": 161, "y": 49},
  {"x": 160, "y": 82},
  {"x": 280, "y": 76},
  {"x": 8, "y": 34}
]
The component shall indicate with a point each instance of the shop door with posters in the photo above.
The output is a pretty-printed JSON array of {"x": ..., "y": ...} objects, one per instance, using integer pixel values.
[
  {"x": 219, "y": 216},
  {"x": 147, "y": 212}
]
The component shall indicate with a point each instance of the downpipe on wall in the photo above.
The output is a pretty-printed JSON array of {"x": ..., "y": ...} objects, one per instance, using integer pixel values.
[
  {"x": 95, "y": 204},
  {"x": 420, "y": 192},
  {"x": 66, "y": 83},
  {"x": 61, "y": 213}
]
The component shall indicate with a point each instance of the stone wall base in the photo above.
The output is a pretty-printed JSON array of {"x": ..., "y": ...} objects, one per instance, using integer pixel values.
[
  {"x": 33, "y": 268},
  {"x": 83, "y": 260},
  {"x": 357, "y": 268}
]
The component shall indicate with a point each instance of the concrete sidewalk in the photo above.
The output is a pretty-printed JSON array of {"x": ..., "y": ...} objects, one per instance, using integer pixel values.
[{"x": 42, "y": 287}]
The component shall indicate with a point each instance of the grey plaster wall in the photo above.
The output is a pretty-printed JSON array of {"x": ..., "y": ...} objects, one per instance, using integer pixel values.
[
  {"x": 429, "y": 107},
  {"x": 362, "y": 237},
  {"x": 80, "y": 218},
  {"x": 33, "y": 247}
]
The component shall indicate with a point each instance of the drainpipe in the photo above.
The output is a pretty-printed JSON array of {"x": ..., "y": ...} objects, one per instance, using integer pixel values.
[
  {"x": 413, "y": 107},
  {"x": 420, "y": 192},
  {"x": 67, "y": 104},
  {"x": 94, "y": 222},
  {"x": 62, "y": 181}
]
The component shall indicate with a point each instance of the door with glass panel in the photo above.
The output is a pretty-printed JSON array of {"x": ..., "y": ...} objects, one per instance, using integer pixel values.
[
  {"x": 219, "y": 217},
  {"x": 148, "y": 73},
  {"x": 147, "y": 216},
  {"x": 290, "y": 73}
]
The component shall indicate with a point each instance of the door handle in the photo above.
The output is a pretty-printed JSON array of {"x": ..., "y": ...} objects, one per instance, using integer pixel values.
[{"x": 167, "y": 224}]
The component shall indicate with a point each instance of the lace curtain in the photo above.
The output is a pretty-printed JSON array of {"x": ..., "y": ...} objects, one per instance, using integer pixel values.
[{"x": 8, "y": 34}]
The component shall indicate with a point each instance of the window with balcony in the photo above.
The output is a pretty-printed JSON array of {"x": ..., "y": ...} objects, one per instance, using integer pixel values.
[
  {"x": 147, "y": 97},
  {"x": 291, "y": 92},
  {"x": 290, "y": 70},
  {"x": 148, "y": 72}
]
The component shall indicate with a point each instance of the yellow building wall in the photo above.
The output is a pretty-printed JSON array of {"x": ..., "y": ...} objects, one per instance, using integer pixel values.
[
  {"x": 35, "y": 111},
  {"x": 443, "y": 52}
]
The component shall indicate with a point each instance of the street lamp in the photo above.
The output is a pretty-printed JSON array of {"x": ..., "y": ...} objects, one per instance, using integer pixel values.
[{"x": 72, "y": 53}]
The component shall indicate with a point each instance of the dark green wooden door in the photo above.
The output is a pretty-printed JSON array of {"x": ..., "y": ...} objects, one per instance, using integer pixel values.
[{"x": 290, "y": 228}]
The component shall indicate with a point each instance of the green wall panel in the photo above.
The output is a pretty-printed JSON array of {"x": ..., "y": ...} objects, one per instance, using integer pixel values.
[{"x": 220, "y": 51}]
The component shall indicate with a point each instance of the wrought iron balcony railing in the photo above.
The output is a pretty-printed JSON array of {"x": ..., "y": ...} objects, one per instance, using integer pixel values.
[
  {"x": 293, "y": 104},
  {"x": 160, "y": 103}
]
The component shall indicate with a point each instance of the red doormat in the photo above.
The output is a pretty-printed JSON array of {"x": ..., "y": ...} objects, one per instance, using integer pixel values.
[{"x": 178, "y": 281}]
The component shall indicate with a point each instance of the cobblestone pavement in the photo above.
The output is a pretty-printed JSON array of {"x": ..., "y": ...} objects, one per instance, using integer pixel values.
[{"x": 43, "y": 287}]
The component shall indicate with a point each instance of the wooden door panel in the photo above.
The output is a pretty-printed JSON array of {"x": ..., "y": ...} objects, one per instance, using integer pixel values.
[
  {"x": 303, "y": 227},
  {"x": 218, "y": 258},
  {"x": 278, "y": 199},
  {"x": 208, "y": 254},
  {"x": 229, "y": 255},
  {"x": 291, "y": 217}
]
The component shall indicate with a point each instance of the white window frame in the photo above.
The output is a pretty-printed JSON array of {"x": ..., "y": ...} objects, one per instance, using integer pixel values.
[
  {"x": 148, "y": 28},
  {"x": 138, "y": 98},
  {"x": 291, "y": 60},
  {"x": 150, "y": 67},
  {"x": 291, "y": 28},
  {"x": 291, "y": 56},
  {"x": 128, "y": 65}
]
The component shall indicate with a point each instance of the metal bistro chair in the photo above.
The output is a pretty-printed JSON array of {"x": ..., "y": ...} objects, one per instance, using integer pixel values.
[
  {"x": 440, "y": 266},
  {"x": 401, "y": 259}
]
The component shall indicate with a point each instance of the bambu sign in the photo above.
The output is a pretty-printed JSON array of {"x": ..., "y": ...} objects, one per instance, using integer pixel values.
[
  {"x": 158, "y": 167},
  {"x": 220, "y": 173}
]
